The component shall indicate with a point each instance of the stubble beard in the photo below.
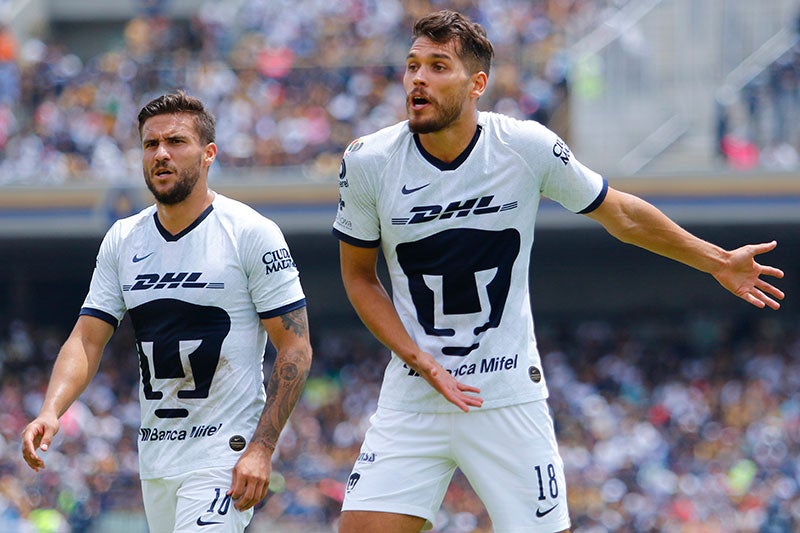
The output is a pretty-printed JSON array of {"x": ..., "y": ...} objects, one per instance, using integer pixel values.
[
  {"x": 183, "y": 187},
  {"x": 446, "y": 113}
]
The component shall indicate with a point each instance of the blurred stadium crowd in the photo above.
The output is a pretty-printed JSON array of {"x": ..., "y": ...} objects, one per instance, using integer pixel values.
[
  {"x": 759, "y": 126},
  {"x": 291, "y": 82},
  {"x": 668, "y": 424},
  {"x": 675, "y": 424}
]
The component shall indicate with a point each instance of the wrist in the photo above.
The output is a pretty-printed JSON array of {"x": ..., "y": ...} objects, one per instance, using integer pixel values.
[{"x": 267, "y": 448}]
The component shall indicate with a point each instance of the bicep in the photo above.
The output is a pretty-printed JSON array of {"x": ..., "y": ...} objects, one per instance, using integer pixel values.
[
  {"x": 626, "y": 216},
  {"x": 610, "y": 209},
  {"x": 357, "y": 262},
  {"x": 79, "y": 357},
  {"x": 289, "y": 331},
  {"x": 92, "y": 334}
]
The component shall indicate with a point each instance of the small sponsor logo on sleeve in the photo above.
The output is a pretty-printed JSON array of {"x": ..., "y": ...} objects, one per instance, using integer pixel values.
[
  {"x": 277, "y": 260},
  {"x": 355, "y": 146},
  {"x": 561, "y": 151}
]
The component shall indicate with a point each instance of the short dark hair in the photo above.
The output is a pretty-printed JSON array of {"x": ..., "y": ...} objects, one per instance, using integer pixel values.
[
  {"x": 474, "y": 47},
  {"x": 180, "y": 102}
]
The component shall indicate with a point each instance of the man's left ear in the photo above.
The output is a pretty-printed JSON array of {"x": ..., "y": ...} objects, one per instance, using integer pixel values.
[
  {"x": 479, "y": 82},
  {"x": 211, "y": 153}
]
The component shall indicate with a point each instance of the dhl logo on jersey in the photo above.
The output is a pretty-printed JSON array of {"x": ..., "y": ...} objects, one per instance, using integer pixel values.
[
  {"x": 171, "y": 280},
  {"x": 458, "y": 209}
]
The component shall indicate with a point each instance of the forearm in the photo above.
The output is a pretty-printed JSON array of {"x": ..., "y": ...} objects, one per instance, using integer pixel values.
[
  {"x": 635, "y": 221},
  {"x": 377, "y": 311},
  {"x": 74, "y": 369},
  {"x": 284, "y": 388}
]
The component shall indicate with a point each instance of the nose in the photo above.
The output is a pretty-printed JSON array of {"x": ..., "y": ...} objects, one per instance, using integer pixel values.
[{"x": 160, "y": 153}]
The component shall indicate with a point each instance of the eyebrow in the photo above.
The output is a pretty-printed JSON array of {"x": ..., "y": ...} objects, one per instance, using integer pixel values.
[
  {"x": 170, "y": 137},
  {"x": 437, "y": 55}
]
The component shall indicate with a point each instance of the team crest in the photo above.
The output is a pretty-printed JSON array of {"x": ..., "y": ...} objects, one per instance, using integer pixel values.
[
  {"x": 355, "y": 146},
  {"x": 351, "y": 482}
]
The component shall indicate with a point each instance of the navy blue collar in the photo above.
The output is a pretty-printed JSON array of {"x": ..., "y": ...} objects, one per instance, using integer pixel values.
[
  {"x": 170, "y": 237},
  {"x": 455, "y": 163}
]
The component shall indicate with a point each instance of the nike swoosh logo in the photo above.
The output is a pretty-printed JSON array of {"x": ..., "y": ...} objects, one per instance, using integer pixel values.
[
  {"x": 406, "y": 190},
  {"x": 201, "y": 522},
  {"x": 540, "y": 513},
  {"x": 136, "y": 258}
]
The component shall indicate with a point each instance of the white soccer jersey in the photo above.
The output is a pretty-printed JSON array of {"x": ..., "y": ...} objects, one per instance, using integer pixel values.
[
  {"x": 195, "y": 301},
  {"x": 457, "y": 241}
]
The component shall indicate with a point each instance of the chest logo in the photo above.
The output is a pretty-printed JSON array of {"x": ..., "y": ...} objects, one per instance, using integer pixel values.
[
  {"x": 136, "y": 257},
  {"x": 458, "y": 209},
  {"x": 171, "y": 280},
  {"x": 406, "y": 190},
  {"x": 459, "y": 281}
]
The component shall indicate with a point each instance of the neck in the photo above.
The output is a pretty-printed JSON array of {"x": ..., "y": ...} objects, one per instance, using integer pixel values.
[
  {"x": 177, "y": 217},
  {"x": 448, "y": 143}
]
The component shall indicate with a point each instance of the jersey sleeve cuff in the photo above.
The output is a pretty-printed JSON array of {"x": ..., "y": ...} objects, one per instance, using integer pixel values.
[
  {"x": 282, "y": 310},
  {"x": 102, "y": 315},
  {"x": 597, "y": 201},
  {"x": 354, "y": 241}
]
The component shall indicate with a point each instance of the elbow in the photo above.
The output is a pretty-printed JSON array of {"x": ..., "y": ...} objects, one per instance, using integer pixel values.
[
  {"x": 301, "y": 357},
  {"x": 626, "y": 234},
  {"x": 307, "y": 359}
]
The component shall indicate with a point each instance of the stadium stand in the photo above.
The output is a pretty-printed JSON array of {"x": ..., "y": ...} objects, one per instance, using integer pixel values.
[
  {"x": 686, "y": 423},
  {"x": 680, "y": 415},
  {"x": 289, "y": 86}
]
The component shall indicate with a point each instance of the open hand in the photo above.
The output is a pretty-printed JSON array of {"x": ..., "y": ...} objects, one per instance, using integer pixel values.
[{"x": 742, "y": 275}]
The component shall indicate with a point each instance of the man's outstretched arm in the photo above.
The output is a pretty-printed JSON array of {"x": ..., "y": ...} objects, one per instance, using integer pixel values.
[{"x": 635, "y": 221}]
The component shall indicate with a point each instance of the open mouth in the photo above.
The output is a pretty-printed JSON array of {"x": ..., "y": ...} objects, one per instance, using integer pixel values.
[
  {"x": 418, "y": 102},
  {"x": 162, "y": 172}
]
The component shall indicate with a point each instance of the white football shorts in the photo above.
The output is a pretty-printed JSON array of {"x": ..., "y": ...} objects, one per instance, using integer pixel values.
[
  {"x": 191, "y": 502},
  {"x": 508, "y": 454}
]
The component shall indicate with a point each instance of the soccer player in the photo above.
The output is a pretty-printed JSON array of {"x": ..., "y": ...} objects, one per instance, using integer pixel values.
[
  {"x": 450, "y": 196},
  {"x": 205, "y": 280}
]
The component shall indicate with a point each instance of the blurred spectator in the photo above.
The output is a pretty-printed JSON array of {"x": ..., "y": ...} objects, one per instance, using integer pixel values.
[
  {"x": 666, "y": 424},
  {"x": 292, "y": 83},
  {"x": 759, "y": 125},
  {"x": 9, "y": 72}
]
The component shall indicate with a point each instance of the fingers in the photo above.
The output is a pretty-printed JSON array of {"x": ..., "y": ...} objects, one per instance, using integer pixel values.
[
  {"x": 247, "y": 491},
  {"x": 33, "y": 460},
  {"x": 771, "y": 271},
  {"x": 252, "y": 494},
  {"x": 756, "y": 249},
  {"x": 763, "y": 299},
  {"x": 759, "y": 293},
  {"x": 464, "y": 401},
  {"x": 35, "y": 436},
  {"x": 763, "y": 294},
  {"x": 469, "y": 399},
  {"x": 769, "y": 288},
  {"x": 473, "y": 401},
  {"x": 468, "y": 388},
  {"x": 765, "y": 247},
  {"x": 459, "y": 394},
  {"x": 759, "y": 299}
]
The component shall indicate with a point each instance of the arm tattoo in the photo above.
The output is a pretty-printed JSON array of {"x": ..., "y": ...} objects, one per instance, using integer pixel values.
[
  {"x": 286, "y": 381},
  {"x": 295, "y": 321}
]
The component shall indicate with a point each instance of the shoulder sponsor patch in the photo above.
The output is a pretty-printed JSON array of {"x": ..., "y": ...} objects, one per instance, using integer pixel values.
[
  {"x": 561, "y": 151},
  {"x": 355, "y": 146},
  {"x": 277, "y": 260}
]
